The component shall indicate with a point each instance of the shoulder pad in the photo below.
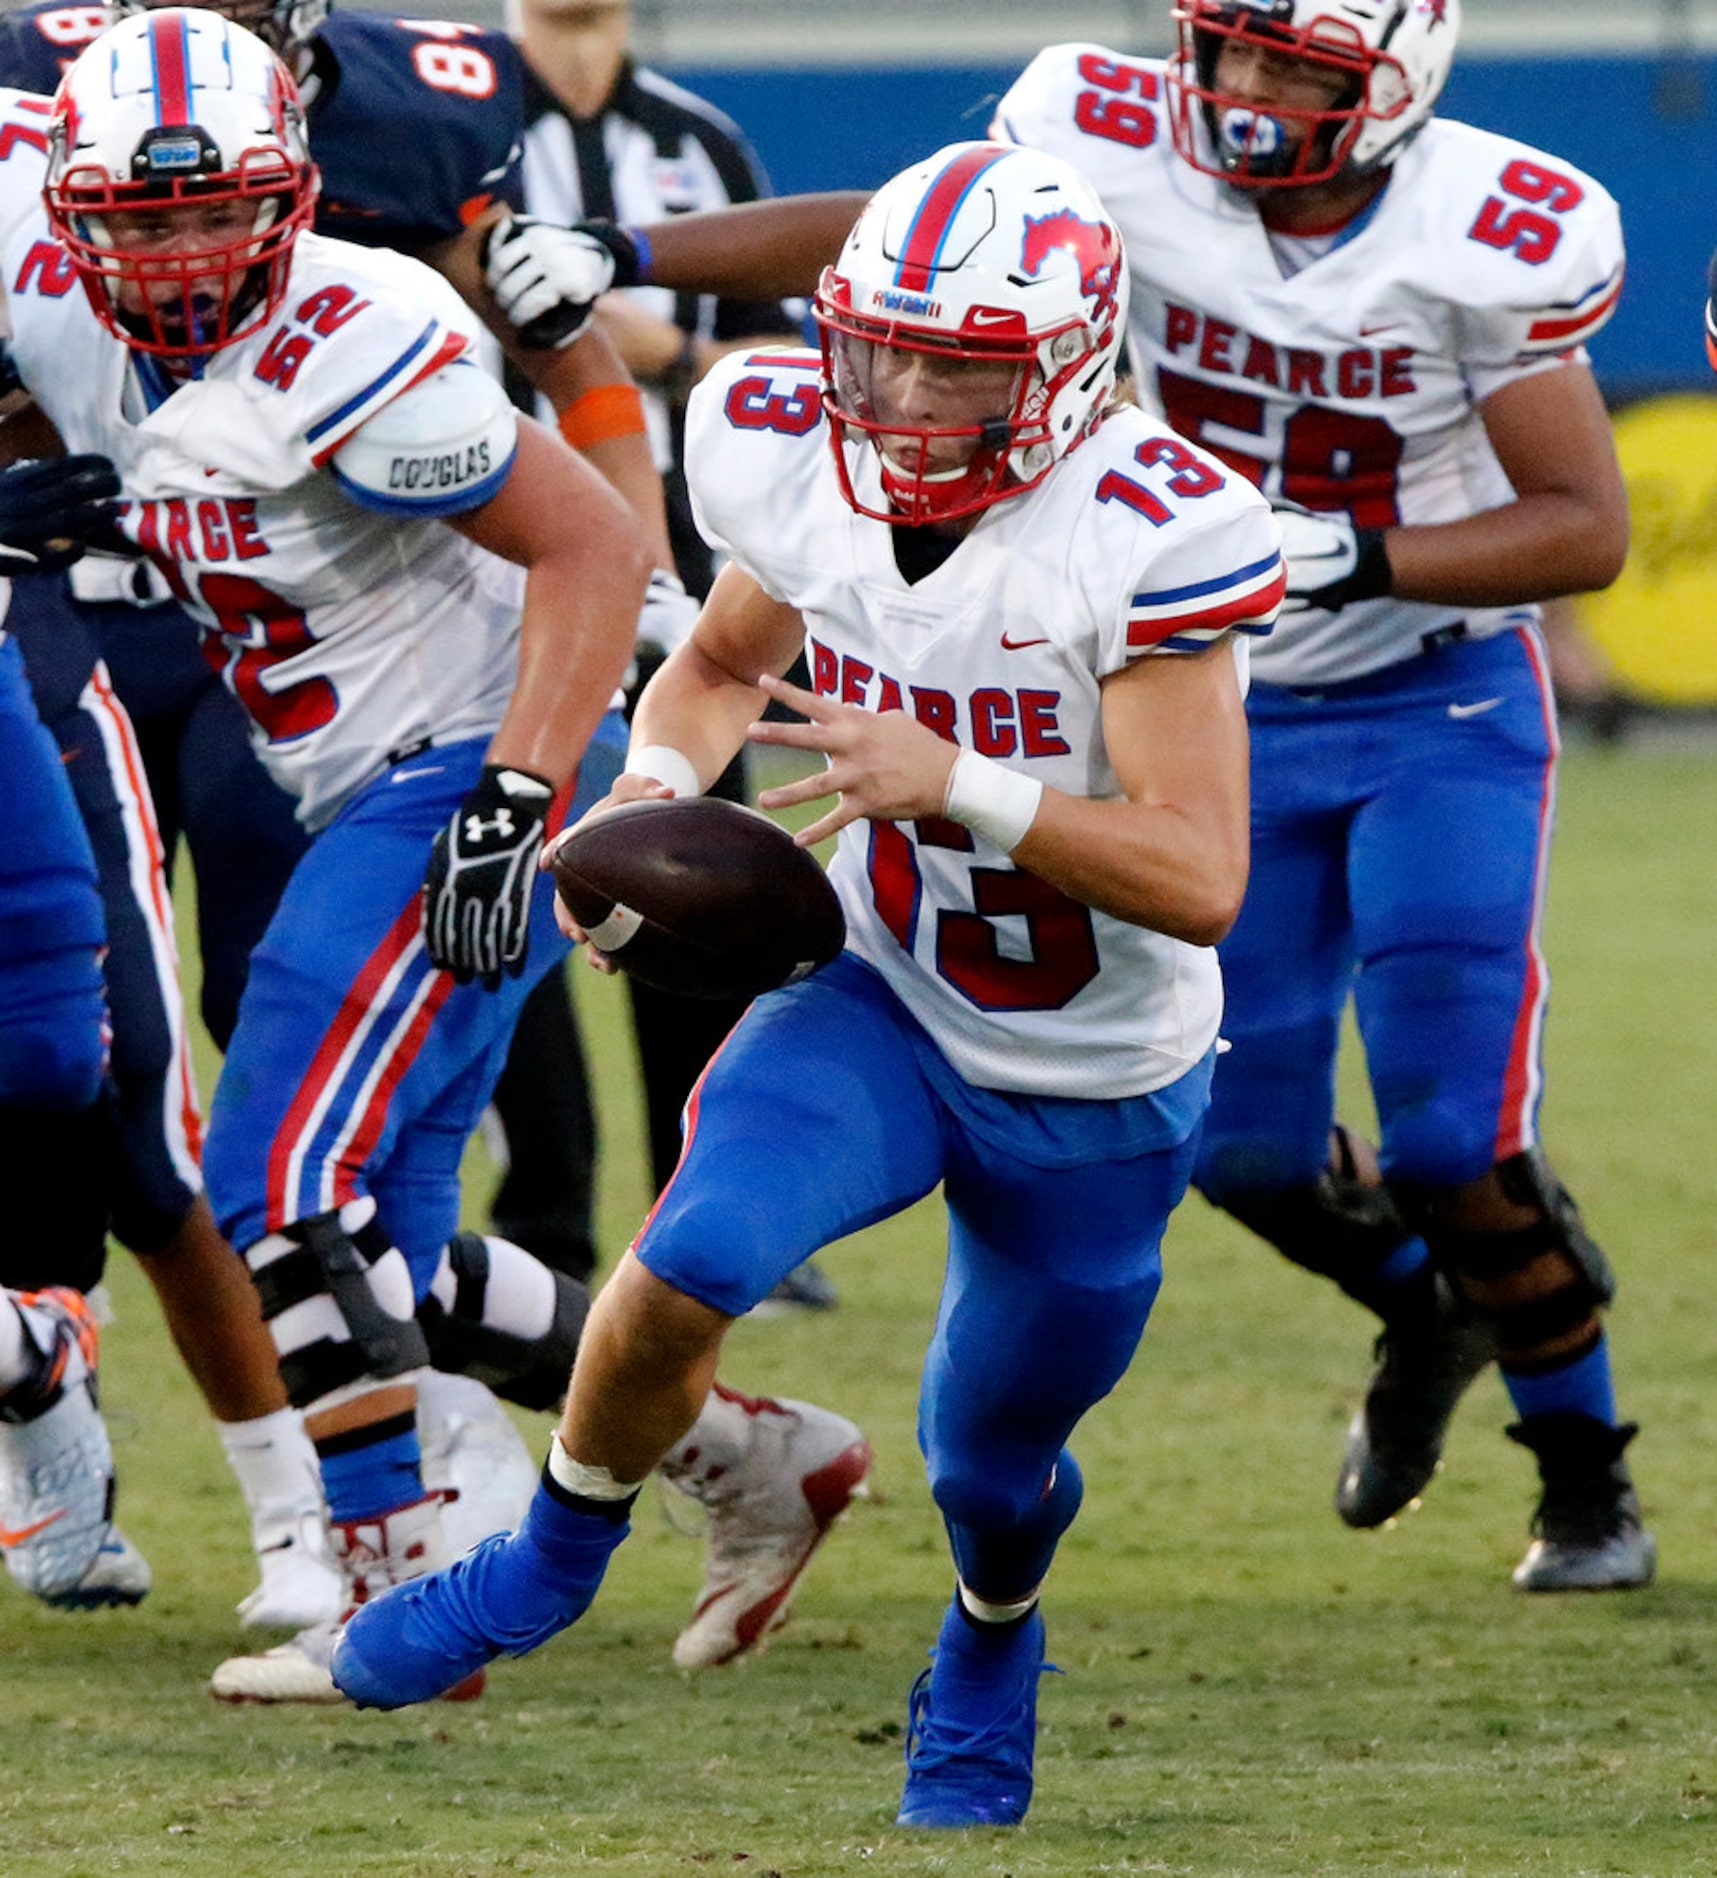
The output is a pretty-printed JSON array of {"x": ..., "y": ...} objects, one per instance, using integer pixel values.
[
  {"x": 1535, "y": 255},
  {"x": 1081, "y": 97},
  {"x": 444, "y": 446}
]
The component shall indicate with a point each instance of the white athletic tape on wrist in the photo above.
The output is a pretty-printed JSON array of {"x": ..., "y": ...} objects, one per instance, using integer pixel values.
[
  {"x": 995, "y": 802},
  {"x": 667, "y": 765},
  {"x": 589, "y": 1483}
]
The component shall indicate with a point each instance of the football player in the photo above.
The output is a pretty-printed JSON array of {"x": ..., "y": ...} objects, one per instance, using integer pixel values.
[
  {"x": 312, "y": 413},
  {"x": 1019, "y": 603},
  {"x": 56, "y": 1466},
  {"x": 140, "y": 1162},
  {"x": 1379, "y": 317}
]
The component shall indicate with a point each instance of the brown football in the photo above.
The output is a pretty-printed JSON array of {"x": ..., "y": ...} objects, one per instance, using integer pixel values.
[{"x": 700, "y": 896}]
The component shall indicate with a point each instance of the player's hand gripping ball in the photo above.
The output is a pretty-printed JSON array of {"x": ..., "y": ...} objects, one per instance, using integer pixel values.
[{"x": 699, "y": 896}]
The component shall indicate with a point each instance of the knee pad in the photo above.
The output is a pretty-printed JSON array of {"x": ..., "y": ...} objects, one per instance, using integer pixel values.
[
  {"x": 337, "y": 1299},
  {"x": 1492, "y": 1257},
  {"x": 499, "y": 1315},
  {"x": 1341, "y": 1226}
]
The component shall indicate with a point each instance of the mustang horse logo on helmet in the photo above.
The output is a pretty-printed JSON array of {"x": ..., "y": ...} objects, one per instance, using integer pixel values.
[{"x": 1093, "y": 245}]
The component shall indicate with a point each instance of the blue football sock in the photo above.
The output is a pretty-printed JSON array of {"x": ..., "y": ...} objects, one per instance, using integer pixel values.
[
  {"x": 1002, "y": 1566},
  {"x": 362, "y": 1480},
  {"x": 1582, "y": 1387}
]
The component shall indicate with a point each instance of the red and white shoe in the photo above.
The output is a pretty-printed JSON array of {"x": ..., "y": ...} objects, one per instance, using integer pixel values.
[
  {"x": 373, "y": 1555},
  {"x": 474, "y": 1457},
  {"x": 773, "y": 1478},
  {"x": 57, "y": 1484}
]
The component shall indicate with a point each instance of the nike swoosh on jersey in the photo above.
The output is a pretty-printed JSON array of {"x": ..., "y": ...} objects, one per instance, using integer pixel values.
[
  {"x": 1474, "y": 710},
  {"x": 434, "y": 769},
  {"x": 10, "y": 1537},
  {"x": 1019, "y": 645}
]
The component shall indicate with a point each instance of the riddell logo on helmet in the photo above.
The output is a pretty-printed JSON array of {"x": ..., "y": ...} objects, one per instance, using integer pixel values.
[
  {"x": 1092, "y": 245},
  {"x": 891, "y": 300}
]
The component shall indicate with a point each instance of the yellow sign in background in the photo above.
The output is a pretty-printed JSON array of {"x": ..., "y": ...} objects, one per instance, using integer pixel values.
[{"x": 1658, "y": 624}]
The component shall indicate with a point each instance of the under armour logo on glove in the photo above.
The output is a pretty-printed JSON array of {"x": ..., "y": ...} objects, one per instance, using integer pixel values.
[
  {"x": 546, "y": 279},
  {"x": 52, "y": 509},
  {"x": 1331, "y": 564},
  {"x": 476, "y": 829},
  {"x": 477, "y": 889}
]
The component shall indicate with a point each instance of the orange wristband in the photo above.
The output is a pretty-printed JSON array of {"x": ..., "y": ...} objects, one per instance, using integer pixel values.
[{"x": 602, "y": 414}]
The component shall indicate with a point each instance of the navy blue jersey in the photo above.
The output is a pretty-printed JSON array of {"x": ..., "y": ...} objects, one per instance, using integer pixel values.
[
  {"x": 38, "y": 43},
  {"x": 413, "y": 123}
]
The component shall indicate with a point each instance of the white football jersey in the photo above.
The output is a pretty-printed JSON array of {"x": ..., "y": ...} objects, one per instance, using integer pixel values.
[
  {"x": 1350, "y": 381},
  {"x": 23, "y": 163},
  {"x": 1135, "y": 546},
  {"x": 348, "y": 635}
]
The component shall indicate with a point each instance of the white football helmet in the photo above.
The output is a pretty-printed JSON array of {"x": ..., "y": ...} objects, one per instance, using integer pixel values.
[
  {"x": 970, "y": 329},
  {"x": 286, "y": 25},
  {"x": 1390, "y": 56},
  {"x": 179, "y": 179}
]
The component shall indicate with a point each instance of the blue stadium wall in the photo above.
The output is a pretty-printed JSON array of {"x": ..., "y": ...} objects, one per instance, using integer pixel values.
[{"x": 1645, "y": 128}]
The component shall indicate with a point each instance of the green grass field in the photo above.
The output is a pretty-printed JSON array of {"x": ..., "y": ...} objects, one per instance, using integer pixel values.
[{"x": 1249, "y": 1688}]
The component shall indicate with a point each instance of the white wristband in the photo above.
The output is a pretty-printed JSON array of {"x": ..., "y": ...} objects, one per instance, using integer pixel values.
[
  {"x": 667, "y": 765},
  {"x": 996, "y": 803}
]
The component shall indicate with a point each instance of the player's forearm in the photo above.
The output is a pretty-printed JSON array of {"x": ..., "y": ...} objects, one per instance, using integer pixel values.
[
  {"x": 1537, "y": 548},
  {"x": 1172, "y": 852},
  {"x": 565, "y": 374},
  {"x": 755, "y": 250},
  {"x": 1173, "y": 869},
  {"x": 693, "y": 706},
  {"x": 598, "y": 429}
]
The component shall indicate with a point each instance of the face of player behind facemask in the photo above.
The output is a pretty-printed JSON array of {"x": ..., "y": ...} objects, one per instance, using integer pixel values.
[{"x": 1272, "y": 110}]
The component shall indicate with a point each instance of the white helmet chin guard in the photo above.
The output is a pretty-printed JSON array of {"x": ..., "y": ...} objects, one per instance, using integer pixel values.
[
  {"x": 1390, "y": 57},
  {"x": 970, "y": 330}
]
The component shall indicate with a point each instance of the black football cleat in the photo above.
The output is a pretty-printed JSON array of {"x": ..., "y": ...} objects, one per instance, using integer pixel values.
[
  {"x": 1587, "y": 1531},
  {"x": 1395, "y": 1442}
]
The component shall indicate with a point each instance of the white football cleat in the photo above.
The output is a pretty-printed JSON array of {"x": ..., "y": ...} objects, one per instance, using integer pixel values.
[
  {"x": 374, "y": 1555},
  {"x": 474, "y": 1457},
  {"x": 291, "y": 1672},
  {"x": 773, "y": 1477},
  {"x": 56, "y": 1472}
]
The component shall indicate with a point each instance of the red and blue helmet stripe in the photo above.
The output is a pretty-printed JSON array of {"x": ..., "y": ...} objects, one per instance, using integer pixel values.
[{"x": 927, "y": 236}]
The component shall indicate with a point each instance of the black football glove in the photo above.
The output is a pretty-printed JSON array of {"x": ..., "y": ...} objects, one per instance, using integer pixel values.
[
  {"x": 52, "y": 508},
  {"x": 547, "y": 279},
  {"x": 1331, "y": 564},
  {"x": 477, "y": 890}
]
